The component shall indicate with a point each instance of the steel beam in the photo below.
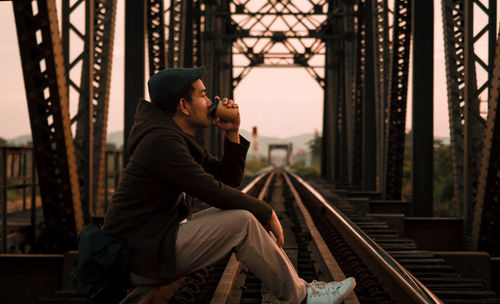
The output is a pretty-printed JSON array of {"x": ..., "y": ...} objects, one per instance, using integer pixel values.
[
  {"x": 382, "y": 77},
  {"x": 46, "y": 90},
  {"x": 395, "y": 137},
  {"x": 104, "y": 28},
  {"x": 94, "y": 59},
  {"x": 134, "y": 64},
  {"x": 81, "y": 90},
  {"x": 486, "y": 228},
  {"x": 422, "y": 107},
  {"x": 369, "y": 119},
  {"x": 453, "y": 27},
  {"x": 216, "y": 56},
  {"x": 474, "y": 90},
  {"x": 156, "y": 36},
  {"x": 357, "y": 117}
]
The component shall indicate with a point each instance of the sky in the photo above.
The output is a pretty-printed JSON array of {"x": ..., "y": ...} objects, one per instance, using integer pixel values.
[{"x": 280, "y": 102}]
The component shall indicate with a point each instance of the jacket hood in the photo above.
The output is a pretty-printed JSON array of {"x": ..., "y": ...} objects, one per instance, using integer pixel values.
[{"x": 149, "y": 117}]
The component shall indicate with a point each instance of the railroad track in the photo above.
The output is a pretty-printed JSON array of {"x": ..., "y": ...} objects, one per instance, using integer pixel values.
[{"x": 326, "y": 238}]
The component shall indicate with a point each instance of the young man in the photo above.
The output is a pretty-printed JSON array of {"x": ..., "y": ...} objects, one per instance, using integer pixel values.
[{"x": 166, "y": 162}]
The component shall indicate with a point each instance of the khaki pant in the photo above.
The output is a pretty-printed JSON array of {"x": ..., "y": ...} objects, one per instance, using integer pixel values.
[{"x": 212, "y": 233}]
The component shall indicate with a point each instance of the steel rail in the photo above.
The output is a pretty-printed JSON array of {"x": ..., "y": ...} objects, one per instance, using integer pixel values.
[
  {"x": 223, "y": 292},
  {"x": 331, "y": 264},
  {"x": 396, "y": 280}
]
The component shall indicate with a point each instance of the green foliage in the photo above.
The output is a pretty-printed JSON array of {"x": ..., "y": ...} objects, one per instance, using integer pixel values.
[
  {"x": 315, "y": 148},
  {"x": 306, "y": 171},
  {"x": 253, "y": 166},
  {"x": 111, "y": 146},
  {"x": 443, "y": 178},
  {"x": 3, "y": 141}
]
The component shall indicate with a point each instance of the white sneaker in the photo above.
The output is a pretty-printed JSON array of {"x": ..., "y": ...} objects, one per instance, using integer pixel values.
[{"x": 329, "y": 293}]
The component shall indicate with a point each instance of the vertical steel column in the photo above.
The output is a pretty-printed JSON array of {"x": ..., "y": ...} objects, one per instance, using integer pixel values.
[
  {"x": 330, "y": 115},
  {"x": 369, "y": 121},
  {"x": 357, "y": 152},
  {"x": 486, "y": 228},
  {"x": 134, "y": 64},
  {"x": 334, "y": 116},
  {"x": 422, "y": 107},
  {"x": 3, "y": 201},
  {"x": 93, "y": 89},
  {"x": 382, "y": 77},
  {"x": 105, "y": 12},
  {"x": 464, "y": 93},
  {"x": 469, "y": 95},
  {"x": 46, "y": 90},
  {"x": 395, "y": 136},
  {"x": 453, "y": 28},
  {"x": 350, "y": 57},
  {"x": 84, "y": 137},
  {"x": 473, "y": 123},
  {"x": 216, "y": 56},
  {"x": 33, "y": 198}
]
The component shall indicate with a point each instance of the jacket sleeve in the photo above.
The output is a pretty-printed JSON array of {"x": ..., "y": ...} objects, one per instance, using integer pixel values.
[
  {"x": 171, "y": 163},
  {"x": 230, "y": 169}
]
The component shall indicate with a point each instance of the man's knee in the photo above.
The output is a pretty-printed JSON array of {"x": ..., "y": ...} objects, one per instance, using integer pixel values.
[{"x": 241, "y": 218}]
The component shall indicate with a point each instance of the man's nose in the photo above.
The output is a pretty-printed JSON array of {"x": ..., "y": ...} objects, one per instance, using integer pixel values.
[{"x": 209, "y": 102}]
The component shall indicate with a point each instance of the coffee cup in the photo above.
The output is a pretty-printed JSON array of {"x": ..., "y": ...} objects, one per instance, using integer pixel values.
[{"x": 219, "y": 110}]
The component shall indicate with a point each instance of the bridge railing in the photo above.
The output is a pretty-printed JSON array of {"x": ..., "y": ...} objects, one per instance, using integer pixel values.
[{"x": 20, "y": 202}]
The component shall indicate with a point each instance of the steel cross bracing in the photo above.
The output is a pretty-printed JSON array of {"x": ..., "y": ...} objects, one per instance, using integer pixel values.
[
  {"x": 453, "y": 27},
  {"x": 155, "y": 16},
  {"x": 467, "y": 86},
  {"x": 94, "y": 60},
  {"x": 477, "y": 81},
  {"x": 486, "y": 228},
  {"x": 81, "y": 89},
  {"x": 183, "y": 33},
  {"x": 176, "y": 28},
  {"x": 47, "y": 95},
  {"x": 396, "y": 116},
  {"x": 104, "y": 27},
  {"x": 280, "y": 34}
]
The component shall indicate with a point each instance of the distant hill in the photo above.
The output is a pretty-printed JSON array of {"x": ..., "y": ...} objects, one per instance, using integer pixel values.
[
  {"x": 22, "y": 140},
  {"x": 298, "y": 141}
]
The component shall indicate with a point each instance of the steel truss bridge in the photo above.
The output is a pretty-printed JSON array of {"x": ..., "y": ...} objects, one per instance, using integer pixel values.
[{"x": 358, "y": 51}]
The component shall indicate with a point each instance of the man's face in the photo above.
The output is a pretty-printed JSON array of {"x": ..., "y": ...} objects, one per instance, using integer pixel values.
[{"x": 200, "y": 105}]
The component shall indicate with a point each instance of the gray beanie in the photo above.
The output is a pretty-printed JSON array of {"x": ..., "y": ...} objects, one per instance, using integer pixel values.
[{"x": 171, "y": 83}]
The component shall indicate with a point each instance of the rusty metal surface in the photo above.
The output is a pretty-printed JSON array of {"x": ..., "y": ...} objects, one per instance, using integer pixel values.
[
  {"x": 486, "y": 227},
  {"x": 46, "y": 90}
]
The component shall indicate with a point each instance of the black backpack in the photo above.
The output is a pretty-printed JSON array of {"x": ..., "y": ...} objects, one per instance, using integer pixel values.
[{"x": 101, "y": 270}]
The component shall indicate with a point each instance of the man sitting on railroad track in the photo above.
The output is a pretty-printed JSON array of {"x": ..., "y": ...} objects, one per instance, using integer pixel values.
[{"x": 166, "y": 162}]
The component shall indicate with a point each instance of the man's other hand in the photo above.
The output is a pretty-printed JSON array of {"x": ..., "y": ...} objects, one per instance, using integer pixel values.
[{"x": 276, "y": 229}]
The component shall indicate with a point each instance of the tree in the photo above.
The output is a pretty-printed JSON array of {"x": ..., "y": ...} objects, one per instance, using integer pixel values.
[
  {"x": 3, "y": 141},
  {"x": 315, "y": 148}
]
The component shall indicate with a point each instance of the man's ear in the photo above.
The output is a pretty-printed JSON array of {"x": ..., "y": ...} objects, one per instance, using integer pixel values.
[{"x": 184, "y": 106}]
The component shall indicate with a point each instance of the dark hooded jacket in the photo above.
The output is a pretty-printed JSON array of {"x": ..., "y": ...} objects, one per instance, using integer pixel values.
[{"x": 165, "y": 161}]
